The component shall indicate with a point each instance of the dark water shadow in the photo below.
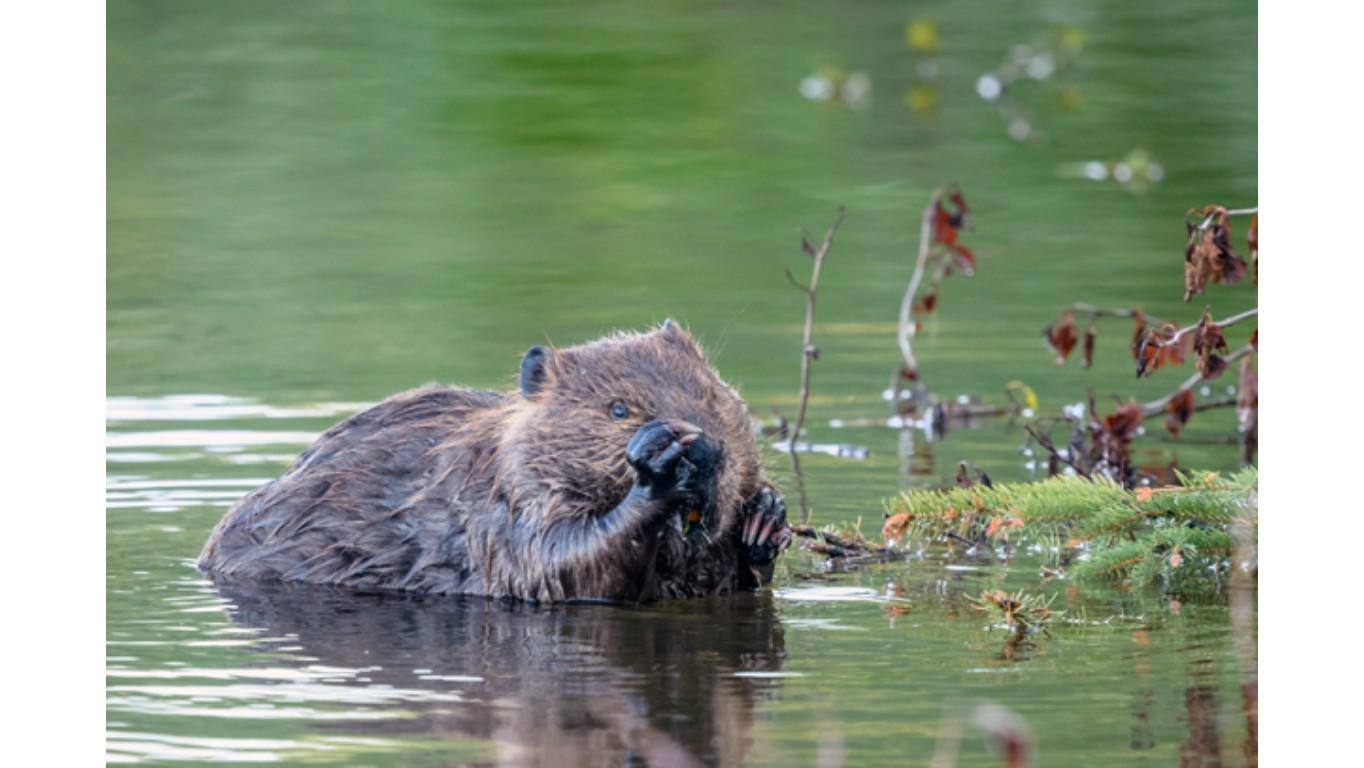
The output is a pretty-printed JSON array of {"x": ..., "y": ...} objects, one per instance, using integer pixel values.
[{"x": 672, "y": 684}]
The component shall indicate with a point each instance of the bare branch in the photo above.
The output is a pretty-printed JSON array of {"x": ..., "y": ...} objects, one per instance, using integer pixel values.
[
  {"x": 1207, "y": 222},
  {"x": 808, "y": 351},
  {"x": 1128, "y": 312},
  {"x": 1158, "y": 406},
  {"x": 906, "y": 328},
  {"x": 1230, "y": 321},
  {"x": 1047, "y": 445}
]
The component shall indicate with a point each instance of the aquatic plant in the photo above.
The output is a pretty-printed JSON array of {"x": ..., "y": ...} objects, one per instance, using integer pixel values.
[
  {"x": 1023, "y": 613},
  {"x": 1171, "y": 536}
]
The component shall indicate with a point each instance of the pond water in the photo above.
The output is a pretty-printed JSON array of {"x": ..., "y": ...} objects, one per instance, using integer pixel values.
[{"x": 314, "y": 205}]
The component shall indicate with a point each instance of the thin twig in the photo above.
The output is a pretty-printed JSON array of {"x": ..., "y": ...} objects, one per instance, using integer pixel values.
[
  {"x": 1230, "y": 321},
  {"x": 1128, "y": 312},
  {"x": 1208, "y": 405},
  {"x": 1207, "y": 222},
  {"x": 1158, "y": 405},
  {"x": 1049, "y": 447},
  {"x": 808, "y": 350}
]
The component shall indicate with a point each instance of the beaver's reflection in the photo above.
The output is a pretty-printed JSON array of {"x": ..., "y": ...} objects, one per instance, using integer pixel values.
[{"x": 563, "y": 685}]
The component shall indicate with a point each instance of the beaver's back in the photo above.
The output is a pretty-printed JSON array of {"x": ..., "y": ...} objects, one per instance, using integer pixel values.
[{"x": 353, "y": 509}]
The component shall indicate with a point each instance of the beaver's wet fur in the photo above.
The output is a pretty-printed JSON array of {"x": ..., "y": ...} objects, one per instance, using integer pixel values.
[{"x": 623, "y": 470}]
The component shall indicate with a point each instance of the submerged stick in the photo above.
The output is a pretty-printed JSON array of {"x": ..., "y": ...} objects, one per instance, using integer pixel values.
[{"x": 832, "y": 545}]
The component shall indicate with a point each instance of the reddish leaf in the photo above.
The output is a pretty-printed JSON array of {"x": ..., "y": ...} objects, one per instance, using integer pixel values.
[
  {"x": 1087, "y": 350},
  {"x": 1179, "y": 409},
  {"x": 1154, "y": 350},
  {"x": 1212, "y": 366},
  {"x": 1146, "y": 350},
  {"x": 1108, "y": 451},
  {"x": 960, "y": 201},
  {"x": 1138, "y": 333},
  {"x": 948, "y": 224},
  {"x": 943, "y": 231},
  {"x": 1060, "y": 336},
  {"x": 966, "y": 260},
  {"x": 896, "y": 526},
  {"x": 1181, "y": 350},
  {"x": 1208, "y": 256},
  {"x": 1208, "y": 336},
  {"x": 1253, "y": 240},
  {"x": 993, "y": 527},
  {"x": 1124, "y": 422},
  {"x": 1210, "y": 345}
]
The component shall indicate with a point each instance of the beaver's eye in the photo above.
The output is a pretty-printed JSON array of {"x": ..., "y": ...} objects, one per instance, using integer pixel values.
[{"x": 619, "y": 411}]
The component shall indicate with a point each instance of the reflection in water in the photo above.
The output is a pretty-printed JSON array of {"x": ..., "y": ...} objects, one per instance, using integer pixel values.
[
  {"x": 576, "y": 685},
  {"x": 916, "y": 458},
  {"x": 1204, "y": 747}
]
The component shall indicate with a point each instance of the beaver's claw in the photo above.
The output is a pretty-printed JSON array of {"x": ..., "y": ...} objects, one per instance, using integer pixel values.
[
  {"x": 666, "y": 455},
  {"x": 764, "y": 532}
]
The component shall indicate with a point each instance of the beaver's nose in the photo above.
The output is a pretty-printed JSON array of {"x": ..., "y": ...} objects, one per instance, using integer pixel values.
[{"x": 685, "y": 432}]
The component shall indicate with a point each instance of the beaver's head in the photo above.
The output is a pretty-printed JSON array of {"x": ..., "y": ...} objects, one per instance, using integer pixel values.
[{"x": 581, "y": 406}]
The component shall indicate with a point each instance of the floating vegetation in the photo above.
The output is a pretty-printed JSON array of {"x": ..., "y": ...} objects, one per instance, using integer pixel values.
[
  {"x": 1179, "y": 538},
  {"x": 1023, "y": 613},
  {"x": 832, "y": 542}
]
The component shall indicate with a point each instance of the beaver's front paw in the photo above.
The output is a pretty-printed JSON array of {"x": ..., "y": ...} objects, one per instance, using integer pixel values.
[
  {"x": 665, "y": 455},
  {"x": 764, "y": 531}
]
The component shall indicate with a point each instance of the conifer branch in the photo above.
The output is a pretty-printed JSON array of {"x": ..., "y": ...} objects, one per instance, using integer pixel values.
[{"x": 1172, "y": 535}]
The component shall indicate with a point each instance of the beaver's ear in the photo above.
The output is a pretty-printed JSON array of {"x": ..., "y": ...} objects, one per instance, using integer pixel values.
[
  {"x": 533, "y": 370},
  {"x": 677, "y": 334},
  {"x": 671, "y": 330}
]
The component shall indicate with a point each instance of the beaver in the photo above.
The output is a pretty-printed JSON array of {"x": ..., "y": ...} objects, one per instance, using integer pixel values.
[{"x": 623, "y": 470}]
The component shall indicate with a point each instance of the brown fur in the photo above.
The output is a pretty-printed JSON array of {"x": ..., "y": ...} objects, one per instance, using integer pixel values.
[{"x": 525, "y": 495}]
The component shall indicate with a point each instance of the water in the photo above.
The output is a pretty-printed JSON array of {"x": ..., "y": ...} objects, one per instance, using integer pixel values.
[{"x": 314, "y": 205}]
